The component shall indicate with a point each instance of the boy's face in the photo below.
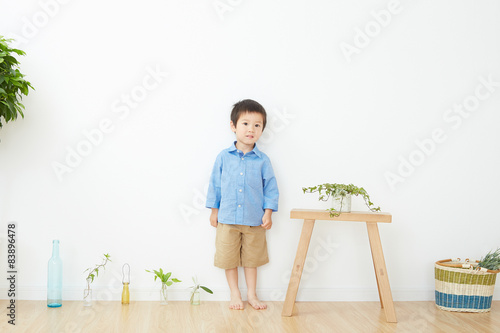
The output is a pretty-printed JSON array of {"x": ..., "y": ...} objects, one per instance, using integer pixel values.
[{"x": 248, "y": 129}]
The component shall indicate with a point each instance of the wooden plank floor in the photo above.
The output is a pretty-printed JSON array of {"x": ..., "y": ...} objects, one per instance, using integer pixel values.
[{"x": 317, "y": 317}]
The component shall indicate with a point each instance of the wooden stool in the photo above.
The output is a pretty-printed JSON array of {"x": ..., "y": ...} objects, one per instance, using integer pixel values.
[{"x": 371, "y": 219}]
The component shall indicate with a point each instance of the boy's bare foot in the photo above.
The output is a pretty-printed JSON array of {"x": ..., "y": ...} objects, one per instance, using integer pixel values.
[
  {"x": 256, "y": 303},
  {"x": 236, "y": 303}
]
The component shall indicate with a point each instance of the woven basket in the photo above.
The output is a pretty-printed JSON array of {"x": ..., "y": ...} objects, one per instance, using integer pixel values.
[{"x": 462, "y": 286}]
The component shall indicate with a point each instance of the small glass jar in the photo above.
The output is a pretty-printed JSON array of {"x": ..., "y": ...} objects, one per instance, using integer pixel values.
[
  {"x": 163, "y": 294},
  {"x": 195, "y": 297},
  {"x": 342, "y": 204},
  {"x": 87, "y": 297}
]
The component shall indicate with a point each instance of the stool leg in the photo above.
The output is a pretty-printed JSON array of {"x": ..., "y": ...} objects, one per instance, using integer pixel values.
[
  {"x": 381, "y": 272},
  {"x": 378, "y": 285},
  {"x": 378, "y": 288},
  {"x": 298, "y": 266}
]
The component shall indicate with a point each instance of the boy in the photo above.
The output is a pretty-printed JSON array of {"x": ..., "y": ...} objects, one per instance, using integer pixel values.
[{"x": 242, "y": 194}]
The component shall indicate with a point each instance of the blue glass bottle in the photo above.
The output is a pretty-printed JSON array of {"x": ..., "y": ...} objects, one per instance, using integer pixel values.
[{"x": 54, "y": 281}]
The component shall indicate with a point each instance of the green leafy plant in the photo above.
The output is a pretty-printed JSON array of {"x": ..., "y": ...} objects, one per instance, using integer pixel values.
[
  {"x": 166, "y": 281},
  {"x": 12, "y": 83},
  {"x": 94, "y": 272},
  {"x": 491, "y": 261},
  {"x": 165, "y": 278},
  {"x": 328, "y": 190},
  {"x": 196, "y": 287}
]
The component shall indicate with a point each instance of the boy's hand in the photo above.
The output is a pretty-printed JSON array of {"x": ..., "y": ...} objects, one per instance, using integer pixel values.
[
  {"x": 213, "y": 217},
  {"x": 267, "y": 222}
]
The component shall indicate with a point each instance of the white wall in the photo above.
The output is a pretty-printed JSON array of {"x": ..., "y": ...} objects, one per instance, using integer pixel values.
[{"x": 334, "y": 116}]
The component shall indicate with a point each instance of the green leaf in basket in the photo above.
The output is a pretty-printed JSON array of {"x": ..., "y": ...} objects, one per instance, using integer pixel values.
[{"x": 491, "y": 260}]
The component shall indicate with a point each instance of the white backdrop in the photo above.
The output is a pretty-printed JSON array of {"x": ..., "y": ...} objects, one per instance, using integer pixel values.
[{"x": 132, "y": 106}]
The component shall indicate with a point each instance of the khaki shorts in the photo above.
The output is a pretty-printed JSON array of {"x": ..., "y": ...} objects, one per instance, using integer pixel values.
[{"x": 240, "y": 245}]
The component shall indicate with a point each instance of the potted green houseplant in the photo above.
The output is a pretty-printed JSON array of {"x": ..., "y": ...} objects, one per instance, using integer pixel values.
[
  {"x": 195, "y": 292},
  {"x": 341, "y": 196},
  {"x": 166, "y": 281},
  {"x": 93, "y": 273},
  {"x": 12, "y": 83}
]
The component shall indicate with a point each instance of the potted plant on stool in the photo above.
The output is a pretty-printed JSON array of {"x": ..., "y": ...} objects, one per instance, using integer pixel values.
[{"x": 341, "y": 196}]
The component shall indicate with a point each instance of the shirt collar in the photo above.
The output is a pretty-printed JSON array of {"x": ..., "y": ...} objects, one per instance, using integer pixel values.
[{"x": 255, "y": 149}]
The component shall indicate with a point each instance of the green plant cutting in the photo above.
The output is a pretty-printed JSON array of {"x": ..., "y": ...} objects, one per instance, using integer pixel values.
[
  {"x": 94, "y": 271},
  {"x": 165, "y": 278},
  {"x": 12, "y": 83},
  {"x": 328, "y": 190},
  {"x": 491, "y": 261},
  {"x": 166, "y": 281},
  {"x": 197, "y": 286}
]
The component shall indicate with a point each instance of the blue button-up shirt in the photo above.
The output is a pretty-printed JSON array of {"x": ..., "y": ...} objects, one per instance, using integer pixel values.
[{"x": 242, "y": 186}]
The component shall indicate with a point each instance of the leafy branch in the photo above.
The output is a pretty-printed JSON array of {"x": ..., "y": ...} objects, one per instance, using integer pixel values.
[
  {"x": 12, "y": 83},
  {"x": 328, "y": 190},
  {"x": 94, "y": 272}
]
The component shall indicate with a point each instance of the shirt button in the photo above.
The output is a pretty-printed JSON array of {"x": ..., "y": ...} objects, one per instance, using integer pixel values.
[
  {"x": 242, "y": 158},
  {"x": 241, "y": 173},
  {"x": 239, "y": 206},
  {"x": 241, "y": 190}
]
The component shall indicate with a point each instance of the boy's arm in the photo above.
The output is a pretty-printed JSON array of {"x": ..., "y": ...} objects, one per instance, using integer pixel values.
[
  {"x": 213, "y": 217},
  {"x": 271, "y": 193},
  {"x": 267, "y": 222},
  {"x": 214, "y": 191},
  {"x": 214, "y": 186}
]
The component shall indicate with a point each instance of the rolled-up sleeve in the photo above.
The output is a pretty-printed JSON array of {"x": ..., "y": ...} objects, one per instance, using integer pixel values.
[{"x": 214, "y": 186}]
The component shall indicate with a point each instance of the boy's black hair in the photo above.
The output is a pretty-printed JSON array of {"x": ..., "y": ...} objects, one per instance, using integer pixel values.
[{"x": 247, "y": 105}]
